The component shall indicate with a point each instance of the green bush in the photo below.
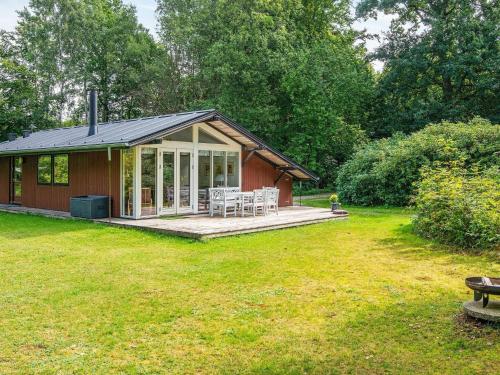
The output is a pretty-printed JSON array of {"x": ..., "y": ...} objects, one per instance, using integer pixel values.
[
  {"x": 384, "y": 172},
  {"x": 459, "y": 207}
]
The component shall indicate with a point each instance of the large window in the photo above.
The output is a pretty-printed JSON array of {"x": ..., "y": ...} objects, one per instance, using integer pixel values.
[
  {"x": 17, "y": 179},
  {"x": 216, "y": 169},
  {"x": 168, "y": 179},
  {"x": 219, "y": 163},
  {"x": 184, "y": 179},
  {"x": 233, "y": 169},
  {"x": 128, "y": 181},
  {"x": 53, "y": 169},
  {"x": 204, "y": 178},
  {"x": 45, "y": 169},
  {"x": 148, "y": 180},
  {"x": 61, "y": 169}
]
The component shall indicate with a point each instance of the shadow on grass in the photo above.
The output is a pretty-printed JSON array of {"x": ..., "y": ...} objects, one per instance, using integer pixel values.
[
  {"x": 475, "y": 328},
  {"x": 21, "y": 226},
  {"x": 423, "y": 336},
  {"x": 427, "y": 333},
  {"x": 24, "y": 225},
  {"x": 408, "y": 244}
]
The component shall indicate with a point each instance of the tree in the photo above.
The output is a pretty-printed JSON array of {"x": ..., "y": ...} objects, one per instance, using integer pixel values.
[
  {"x": 72, "y": 45},
  {"x": 47, "y": 41},
  {"x": 329, "y": 87},
  {"x": 119, "y": 56},
  {"x": 20, "y": 104},
  {"x": 441, "y": 63},
  {"x": 288, "y": 70}
]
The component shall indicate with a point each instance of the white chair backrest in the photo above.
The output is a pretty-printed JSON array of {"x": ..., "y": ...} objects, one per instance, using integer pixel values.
[
  {"x": 232, "y": 189},
  {"x": 259, "y": 195},
  {"x": 216, "y": 194},
  {"x": 272, "y": 195}
]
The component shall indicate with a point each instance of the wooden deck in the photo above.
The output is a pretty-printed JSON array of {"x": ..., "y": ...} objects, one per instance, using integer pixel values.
[
  {"x": 15, "y": 209},
  {"x": 204, "y": 226}
]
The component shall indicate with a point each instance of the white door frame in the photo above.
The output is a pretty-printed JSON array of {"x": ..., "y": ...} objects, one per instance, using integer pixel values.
[
  {"x": 178, "y": 208},
  {"x": 177, "y": 181},
  {"x": 161, "y": 209},
  {"x": 176, "y": 147}
]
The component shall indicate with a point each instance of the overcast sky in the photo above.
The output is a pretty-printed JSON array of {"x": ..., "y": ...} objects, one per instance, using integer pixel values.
[{"x": 146, "y": 14}]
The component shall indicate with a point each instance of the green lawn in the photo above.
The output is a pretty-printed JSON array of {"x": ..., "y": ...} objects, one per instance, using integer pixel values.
[{"x": 362, "y": 295}]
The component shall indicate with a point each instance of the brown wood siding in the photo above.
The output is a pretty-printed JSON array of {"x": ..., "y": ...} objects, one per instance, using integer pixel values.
[
  {"x": 257, "y": 173},
  {"x": 4, "y": 180},
  {"x": 88, "y": 175}
]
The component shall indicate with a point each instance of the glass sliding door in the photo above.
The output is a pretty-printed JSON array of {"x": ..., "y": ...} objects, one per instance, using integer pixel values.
[
  {"x": 148, "y": 181},
  {"x": 184, "y": 180},
  {"x": 128, "y": 161},
  {"x": 169, "y": 180},
  {"x": 233, "y": 169},
  {"x": 219, "y": 163},
  {"x": 204, "y": 178}
]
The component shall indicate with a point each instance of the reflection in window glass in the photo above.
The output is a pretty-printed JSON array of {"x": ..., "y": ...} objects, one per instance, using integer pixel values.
[
  {"x": 17, "y": 178},
  {"x": 168, "y": 179},
  {"x": 45, "y": 169},
  {"x": 219, "y": 168},
  {"x": 128, "y": 182},
  {"x": 233, "y": 169},
  {"x": 185, "y": 135},
  {"x": 204, "y": 137},
  {"x": 185, "y": 179},
  {"x": 148, "y": 178},
  {"x": 61, "y": 169},
  {"x": 204, "y": 178}
]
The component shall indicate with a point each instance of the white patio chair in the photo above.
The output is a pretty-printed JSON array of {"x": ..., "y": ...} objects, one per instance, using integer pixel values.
[
  {"x": 246, "y": 204},
  {"x": 272, "y": 200},
  {"x": 259, "y": 201},
  {"x": 223, "y": 201}
]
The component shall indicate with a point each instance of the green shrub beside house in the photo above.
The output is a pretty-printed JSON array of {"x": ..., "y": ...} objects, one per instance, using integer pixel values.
[
  {"x": 384, "y": 172},
  {"x": 448, "y": 171},
  {"x": 459, "y": 207}
]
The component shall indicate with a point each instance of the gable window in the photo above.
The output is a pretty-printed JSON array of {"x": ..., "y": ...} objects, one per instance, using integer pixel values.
[
  {"x": 185, "y": 135},
  {"x": 53, "y": 169},
  {"x": 205, "y": 137},
  {"x": 45, "y": 169}
]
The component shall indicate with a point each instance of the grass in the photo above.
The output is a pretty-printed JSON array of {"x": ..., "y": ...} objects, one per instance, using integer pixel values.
[{"x": 358, "y": 296}]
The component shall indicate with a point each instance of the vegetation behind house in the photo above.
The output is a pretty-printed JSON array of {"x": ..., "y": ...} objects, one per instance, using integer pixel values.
[
  {"x": 385, "y": 171},
  {"x": 294, "y": 72}
]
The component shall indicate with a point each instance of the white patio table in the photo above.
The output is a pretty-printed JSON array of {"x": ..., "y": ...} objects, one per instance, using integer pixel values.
[{"x": 240, "y": 196}]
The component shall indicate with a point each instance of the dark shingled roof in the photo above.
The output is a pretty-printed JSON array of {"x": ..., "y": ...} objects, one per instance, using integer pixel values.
[{"x": 127, "y": 133}]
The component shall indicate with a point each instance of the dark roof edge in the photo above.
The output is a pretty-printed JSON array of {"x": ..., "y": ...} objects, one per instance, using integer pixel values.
[
  {"x": 204, "y": 116},
  {"x": 261, "y": 143},
  {"x": 161, "y": 133},
  {"x": 38, "y": 151},
  {"x": 217, "y": 115}
]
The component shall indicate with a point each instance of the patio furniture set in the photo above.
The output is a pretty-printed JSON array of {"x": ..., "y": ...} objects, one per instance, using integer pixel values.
[{"x": 234, "y": 201}]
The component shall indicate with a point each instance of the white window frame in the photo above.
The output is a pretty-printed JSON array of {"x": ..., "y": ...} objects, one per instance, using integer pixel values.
[
  {"x": 176, "y": 147},
  {"x": 122, "y": 185}
]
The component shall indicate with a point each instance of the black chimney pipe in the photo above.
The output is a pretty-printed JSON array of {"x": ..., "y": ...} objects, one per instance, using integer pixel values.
[{"x": 93, "y": 130}]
